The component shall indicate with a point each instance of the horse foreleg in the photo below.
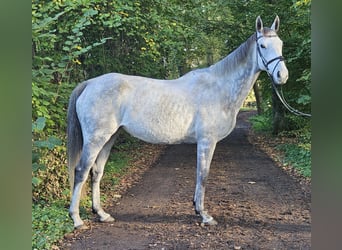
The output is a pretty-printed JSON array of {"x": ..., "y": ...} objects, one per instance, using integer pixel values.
[
  {"x": 96, "y": 174},
  {"x": 205, "y": 151}
]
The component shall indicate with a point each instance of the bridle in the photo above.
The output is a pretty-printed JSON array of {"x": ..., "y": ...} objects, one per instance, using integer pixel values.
[
  {"x": 279, "y": 94},
  {"x": 263, "y": 59}
]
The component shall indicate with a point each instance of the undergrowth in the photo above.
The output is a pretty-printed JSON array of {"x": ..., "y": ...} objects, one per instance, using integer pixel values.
[
  {"x": 50, "y": 220},
  {"x": 297, "y": 151},
  {"x": 49, "y": 223},
  {"x": 297, "y": 156},
  {"x": 294, "y": 146},
  {"x": 261, "y": 123},
  {"x": 115, "y": 167}
]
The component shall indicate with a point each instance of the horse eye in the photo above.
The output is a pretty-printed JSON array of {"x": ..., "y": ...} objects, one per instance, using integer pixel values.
[{"x": 262, "y": 46}]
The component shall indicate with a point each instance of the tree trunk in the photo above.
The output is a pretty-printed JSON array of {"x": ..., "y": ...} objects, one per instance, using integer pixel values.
[
  {"x": 279, "y": 121},
  {"x": 183, "y": 69},
  {"x": 258, "y": 98},
  {"x": 210, "y": 57}
]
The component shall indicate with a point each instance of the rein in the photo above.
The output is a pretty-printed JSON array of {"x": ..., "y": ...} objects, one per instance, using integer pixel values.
[{"x": 280, "y": 94}]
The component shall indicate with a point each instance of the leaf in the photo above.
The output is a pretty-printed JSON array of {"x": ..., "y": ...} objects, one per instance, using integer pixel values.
[
  {"x": 39, "y": 124},
  {"x": 90, "y": 12},
  {"x": 36, "y": 167},
  {"x": 50, "y": 143},
  {"x": 36, "y": 181},
  {"x": 35, "y": 157},
  {"x": 62, "y": 65},
  {"x": 304, "y": 99},
  {"x": 54, "y": 141}
]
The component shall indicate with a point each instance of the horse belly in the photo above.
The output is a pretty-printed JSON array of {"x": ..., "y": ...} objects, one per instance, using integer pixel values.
[
  {"x": 160, "y": 135},
  {"x": 161, "y": 121}
]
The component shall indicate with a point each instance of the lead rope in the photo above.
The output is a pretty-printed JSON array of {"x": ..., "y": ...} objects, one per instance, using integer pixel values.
[{"x": 284, "y": 102}]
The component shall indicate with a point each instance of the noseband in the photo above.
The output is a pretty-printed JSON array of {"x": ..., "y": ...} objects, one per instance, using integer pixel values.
[{"x": 263, "y": 59}]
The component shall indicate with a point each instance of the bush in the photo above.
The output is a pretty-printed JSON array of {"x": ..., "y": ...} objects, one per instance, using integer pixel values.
[{"x": 49, "y": 170}]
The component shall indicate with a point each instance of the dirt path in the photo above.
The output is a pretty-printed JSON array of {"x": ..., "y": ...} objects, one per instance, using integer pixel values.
[{"x": 256, "y": 204}]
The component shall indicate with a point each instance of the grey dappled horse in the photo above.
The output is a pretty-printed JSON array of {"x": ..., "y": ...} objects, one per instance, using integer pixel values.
[{"x": 199, "y": 107}]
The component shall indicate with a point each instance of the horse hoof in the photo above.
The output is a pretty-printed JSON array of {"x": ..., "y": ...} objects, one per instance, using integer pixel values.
[
  {"x": 81, "y": 227},
  {"x": 209, "y": 223},
  {"x": 212, "y": 222},
  {"x": 107, "y": 219}
]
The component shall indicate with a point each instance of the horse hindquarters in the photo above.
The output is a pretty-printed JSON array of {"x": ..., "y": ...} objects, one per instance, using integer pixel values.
[{"x": 88, "y": 149}]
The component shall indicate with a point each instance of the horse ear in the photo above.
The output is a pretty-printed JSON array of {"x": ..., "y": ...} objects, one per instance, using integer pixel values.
[
  {"x": 275, "y": 25},
  {"x": 258, "y": 24}
]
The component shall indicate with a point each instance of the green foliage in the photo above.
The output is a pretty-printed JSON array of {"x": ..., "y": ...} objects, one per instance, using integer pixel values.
[
  {"x": 261, "y": 123},
  {"x": 298, "y": 156},
  {"x": 50, "y": 102},
  {"x": 49, "y": 223},
  {"x": 119, "y": 159},
  {"x": 295, "y": 144},
  {"x": 115, "y": 167},
  {"x": 39, "y": 148}
]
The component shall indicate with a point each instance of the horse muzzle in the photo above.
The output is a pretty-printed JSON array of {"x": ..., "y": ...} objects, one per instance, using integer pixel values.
[{"x": 280, "y": 74}]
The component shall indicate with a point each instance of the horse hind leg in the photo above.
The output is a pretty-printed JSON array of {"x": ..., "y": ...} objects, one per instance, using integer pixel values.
[
  {"x": 96, "y": 176},
  {"x": 89, "y": 155}
]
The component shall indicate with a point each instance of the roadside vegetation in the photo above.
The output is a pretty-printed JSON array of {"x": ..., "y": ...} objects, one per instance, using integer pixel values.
[
  {"x": 291, "y": 149},
  {"x": 76, "y": 40}
]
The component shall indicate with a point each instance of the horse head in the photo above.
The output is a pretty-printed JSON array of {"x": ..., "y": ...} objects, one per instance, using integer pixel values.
[{"x": 269, "y": 51}]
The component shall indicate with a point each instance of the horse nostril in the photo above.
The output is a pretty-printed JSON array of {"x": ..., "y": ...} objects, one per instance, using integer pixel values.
[{"x": 278, "y": 74}]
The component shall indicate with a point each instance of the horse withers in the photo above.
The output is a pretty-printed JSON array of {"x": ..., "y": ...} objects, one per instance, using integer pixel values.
[{"x": 199, "y": 107}]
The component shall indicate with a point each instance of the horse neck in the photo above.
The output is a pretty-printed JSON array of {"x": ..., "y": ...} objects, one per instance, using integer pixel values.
[{"x": 238, "y": 72}]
